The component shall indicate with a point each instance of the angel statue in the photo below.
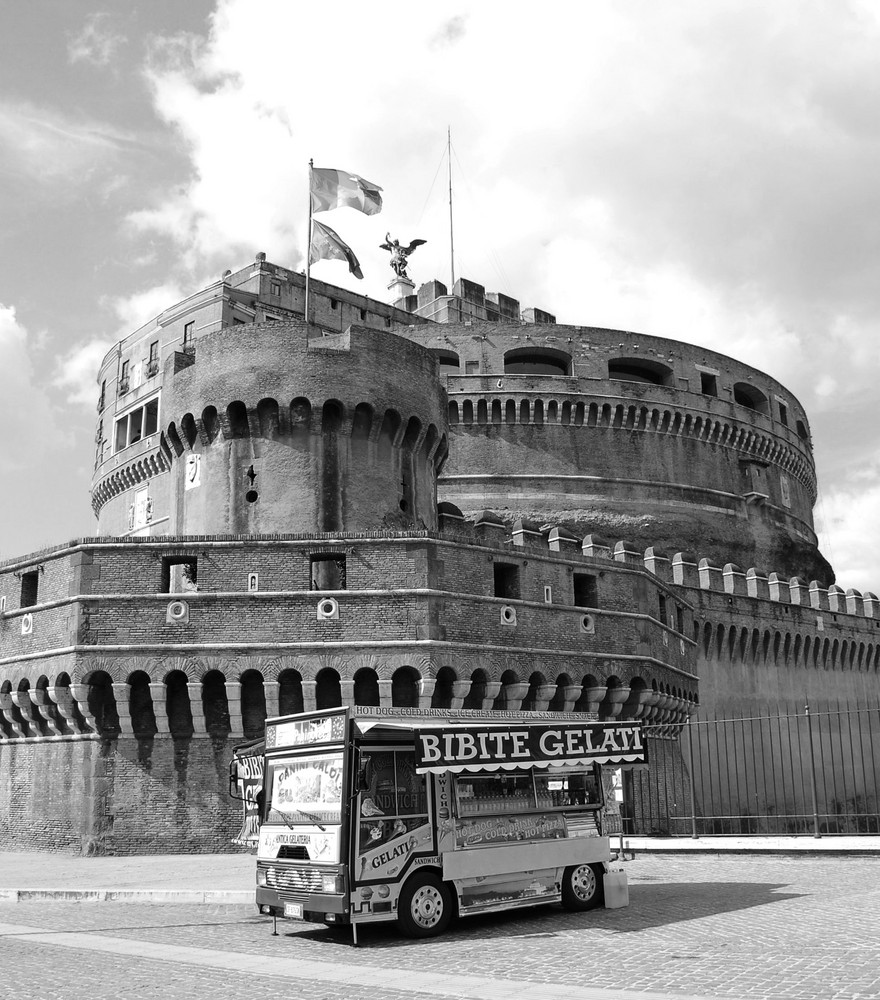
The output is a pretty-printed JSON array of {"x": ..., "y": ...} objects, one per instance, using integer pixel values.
[{"x": 399, "y": 254}]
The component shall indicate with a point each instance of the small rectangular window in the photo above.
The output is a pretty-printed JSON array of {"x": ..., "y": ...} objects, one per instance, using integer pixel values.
[
  {"x": 708, "y": 384},
  {"x": 586, "y": 593},
  {"x": 188, "y": 330},
  {"x": 506, "y": 581},
  {"x": 275, "y": 288},
  {"x": 154, "y": 351},
  {"x": 30, "y": 586},
  {"x": 121, "y": 439},
  {"x": 661, "y": 598},
  {"x": 334, "y": 304},
  {"x": 783, "y": 414},
  {"x": 679, "y": 618},
  {"x": 180, "y": 574},
  {"x": 327, "y": 572}
]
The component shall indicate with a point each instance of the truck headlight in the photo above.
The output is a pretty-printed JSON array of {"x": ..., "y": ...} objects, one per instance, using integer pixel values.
[
  {"x": 331, "y": 883},
  {"x": 261, "y": 877}
]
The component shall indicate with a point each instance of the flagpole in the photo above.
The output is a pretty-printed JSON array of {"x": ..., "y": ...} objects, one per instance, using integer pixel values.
[
  {"x": 309, "y": 246},
  {"x": 451, "y": 243}
]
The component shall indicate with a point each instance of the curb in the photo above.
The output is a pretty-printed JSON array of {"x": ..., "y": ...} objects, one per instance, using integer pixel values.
[{"x": 217, "y": 896}]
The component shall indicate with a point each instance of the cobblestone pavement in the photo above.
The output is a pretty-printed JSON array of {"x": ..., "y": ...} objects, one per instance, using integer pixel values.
[{"x": 714, "y": 926}]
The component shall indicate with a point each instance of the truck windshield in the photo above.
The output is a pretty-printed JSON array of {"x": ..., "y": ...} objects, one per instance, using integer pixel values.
[{"x": 304, "y": 790}]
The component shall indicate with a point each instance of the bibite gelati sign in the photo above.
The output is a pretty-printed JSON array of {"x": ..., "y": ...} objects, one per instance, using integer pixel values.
[{"x": 473, "y": 747}]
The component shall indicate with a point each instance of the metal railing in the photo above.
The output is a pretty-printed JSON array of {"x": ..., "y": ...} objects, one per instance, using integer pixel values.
[{"x": 808, "y": 770}]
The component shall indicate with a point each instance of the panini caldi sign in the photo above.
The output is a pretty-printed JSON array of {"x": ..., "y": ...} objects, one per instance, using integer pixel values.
[{"x": 459, "y": 748}]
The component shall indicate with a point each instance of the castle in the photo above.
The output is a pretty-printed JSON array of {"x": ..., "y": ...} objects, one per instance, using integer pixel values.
[{"x": 624, "y": 527}]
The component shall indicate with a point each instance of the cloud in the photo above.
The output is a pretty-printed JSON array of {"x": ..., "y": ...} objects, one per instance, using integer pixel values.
[
  {"x": 848, "y": 527},
  {"x": 75, "y": 372},
  {"x": 26, "y": 415},
  {"x": 97, "y": 42},
  {"x": 42, "y": 144},
  {"x": 703, "y": 172}
]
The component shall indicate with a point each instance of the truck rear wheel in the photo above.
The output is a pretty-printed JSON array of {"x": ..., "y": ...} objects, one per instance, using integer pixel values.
[
  {"x": 424, "y": 908},
  {"x": 582, "y": 887}
]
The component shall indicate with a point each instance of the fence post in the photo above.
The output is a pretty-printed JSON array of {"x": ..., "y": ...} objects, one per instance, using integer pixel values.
[
  {"x": 694, "y": 833},
  {"x": 816, "y": 833}
]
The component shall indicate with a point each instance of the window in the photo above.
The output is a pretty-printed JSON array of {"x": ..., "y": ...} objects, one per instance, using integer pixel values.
[
  {"x": 586, "y": 591},
  {"x": 124, "y": 372},
  {"x": 30, "y": 586},
  {"x": 506, "y": 581},
  {"x": 708, "y": 384},
  {"x": 679, "y": 618},
  {"x": 750, "y": 397},
  {"x": 661, "y": 599},
  {"x": 392, "y": 799},
  {"x": 639, "y": 370},
  {"x": 334, "y": 304},
  {"x": 123, "y": 378},
  {"x": 363, "y": 314},
  {"x": 180, "y": 574},
  {"x": 137, "y": 424},
  {"x": 449, "y": 362},
  {"x": 102, "y": 399},
  {"x": 532, "y": 361},
  {"x": 275, "y": 288},
  {"x": 153, "y": 360},
  {"x": 523, "y": 791},
  {"x": 327, "y": 572},
  {"x": 783, "y": 414},
  {"x": 154, "y": 351},
  {"x": 188, "y": 331},
  {"x": 472, "y": 367}
]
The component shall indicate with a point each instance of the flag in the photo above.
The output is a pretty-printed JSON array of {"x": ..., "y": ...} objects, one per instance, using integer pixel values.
[
  {"x": 326, "y": 245},
  {"x": 338, "y": 189}
]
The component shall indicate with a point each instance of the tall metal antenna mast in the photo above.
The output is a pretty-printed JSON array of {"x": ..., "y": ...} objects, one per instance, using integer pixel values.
[{"x": 451, "y": 241}]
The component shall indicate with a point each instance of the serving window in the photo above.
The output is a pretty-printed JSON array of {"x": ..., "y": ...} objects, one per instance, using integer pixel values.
[{"x": 527, "y": 791}]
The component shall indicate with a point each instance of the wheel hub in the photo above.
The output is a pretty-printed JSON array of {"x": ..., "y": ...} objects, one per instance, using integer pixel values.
[{"x": 427, "y": 906}]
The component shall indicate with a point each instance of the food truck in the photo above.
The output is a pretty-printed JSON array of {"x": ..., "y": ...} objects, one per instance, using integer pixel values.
[{"x": 416, "y": 815}]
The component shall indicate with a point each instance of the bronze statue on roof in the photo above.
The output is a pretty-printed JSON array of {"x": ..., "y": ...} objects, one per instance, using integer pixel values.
[{"x": 399, "y": 254}]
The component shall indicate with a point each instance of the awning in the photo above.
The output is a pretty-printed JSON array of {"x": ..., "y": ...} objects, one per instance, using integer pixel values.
[{"x": 514, "y": 747}]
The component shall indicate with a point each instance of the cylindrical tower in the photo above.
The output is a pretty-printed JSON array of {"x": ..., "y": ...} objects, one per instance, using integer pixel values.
[
  {"x": 264, "y": 428},
  {"x": 638, "y": 437},
  {"x": 269, "y": 430}
]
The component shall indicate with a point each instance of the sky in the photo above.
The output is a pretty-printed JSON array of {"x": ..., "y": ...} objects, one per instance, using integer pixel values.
[{"x": 699, "y": 169}]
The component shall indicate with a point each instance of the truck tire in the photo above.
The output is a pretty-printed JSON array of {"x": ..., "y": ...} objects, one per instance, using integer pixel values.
[
  {"x": 424, "y": 908},
  {"x": 582, "y": 887}
]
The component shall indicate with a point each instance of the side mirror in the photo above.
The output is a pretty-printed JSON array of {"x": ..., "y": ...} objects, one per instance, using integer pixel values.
[
  {"x": 365, "y": 774},
  {"x": 233, "y": 781}
]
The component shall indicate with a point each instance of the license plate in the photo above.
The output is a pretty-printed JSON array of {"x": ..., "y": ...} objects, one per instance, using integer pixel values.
[{"x": 293, "y": 910}]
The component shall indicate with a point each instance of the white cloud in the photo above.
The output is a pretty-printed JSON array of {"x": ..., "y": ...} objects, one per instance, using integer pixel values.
[
  {"x": 43, "y": 144},
  {"x": 29, "y": 425},
  {"x": 137, "y": 309},
  {"x": 849, "y": 529},
  {"x": 98, "y": 42},
  {"x": 75, "y": 372},
  {"x": 704, "y": 172}
]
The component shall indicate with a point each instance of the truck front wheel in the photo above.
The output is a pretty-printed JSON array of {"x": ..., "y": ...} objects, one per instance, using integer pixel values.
[
  {"x": 424, "y": 908},
  {"x": 582, "y": 887}
]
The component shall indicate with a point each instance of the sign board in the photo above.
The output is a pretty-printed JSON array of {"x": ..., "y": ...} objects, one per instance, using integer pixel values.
[{"x": 476, "y": 748}]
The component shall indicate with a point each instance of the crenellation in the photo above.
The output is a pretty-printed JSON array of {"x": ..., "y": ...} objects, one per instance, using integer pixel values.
[
  {"x": 757, "y": 584},
  {"x": 626, "y": 552},
  {"x": 818, "y": 596},
  {"x": 800, "y": 591},
  {"x": 780, "y": 588},
  {"x": 657, "y": 562},
  {"x": 711, "y": 575},
  {"x": 733, "y": 579},
  {"x": 596, "y": 547}
]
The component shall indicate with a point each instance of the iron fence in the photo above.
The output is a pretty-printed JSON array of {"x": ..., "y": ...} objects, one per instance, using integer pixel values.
[{"x": 793, "y": 770}]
